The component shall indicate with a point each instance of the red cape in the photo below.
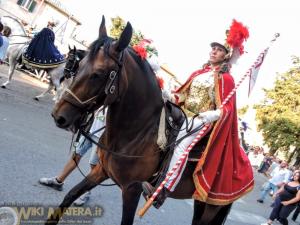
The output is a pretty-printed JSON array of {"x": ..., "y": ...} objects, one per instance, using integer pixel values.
[{"x": 223, "y": 173}]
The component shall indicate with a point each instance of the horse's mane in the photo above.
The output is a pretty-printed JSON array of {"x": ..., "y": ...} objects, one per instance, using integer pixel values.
[
  {"x": 106, "y": 41},
  {"x": 143, "y": 65},
  {"x": 97, "y": 44},
  {"x": 137, "y": 58}
]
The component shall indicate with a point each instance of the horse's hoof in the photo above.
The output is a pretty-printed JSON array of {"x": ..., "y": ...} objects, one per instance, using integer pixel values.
[
  {"x": 3, "y": 86},
  {"x": 36, "y": 98}
]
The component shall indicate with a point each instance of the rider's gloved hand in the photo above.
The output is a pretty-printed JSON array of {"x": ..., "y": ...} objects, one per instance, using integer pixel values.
[
  {"x": 167, "y": 96},
  {"x": 210, "y": 116}
]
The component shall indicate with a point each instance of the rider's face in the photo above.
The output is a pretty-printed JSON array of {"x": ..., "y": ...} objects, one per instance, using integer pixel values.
[{"x": 217, "y": 55}]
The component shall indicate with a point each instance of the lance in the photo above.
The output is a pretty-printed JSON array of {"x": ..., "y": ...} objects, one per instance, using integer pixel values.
[{"x": 182, "y": 158}]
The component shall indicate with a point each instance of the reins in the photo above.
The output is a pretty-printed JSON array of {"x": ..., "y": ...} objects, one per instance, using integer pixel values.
[{"x": 82, "y": 173}]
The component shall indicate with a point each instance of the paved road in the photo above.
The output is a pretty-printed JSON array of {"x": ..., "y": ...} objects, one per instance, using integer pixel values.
[{"x": 32, "y": 147}]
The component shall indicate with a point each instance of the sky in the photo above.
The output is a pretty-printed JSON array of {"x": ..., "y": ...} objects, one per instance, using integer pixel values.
[{"x": 183, "y": 30}]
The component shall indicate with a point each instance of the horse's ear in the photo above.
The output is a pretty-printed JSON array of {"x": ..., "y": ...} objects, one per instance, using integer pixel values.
[
  {"x": 74, "y": 48},
  {"x": 102, "y": 29},
  {"x": 69, "y": 47},
  {"x": 125, "y": 38}
]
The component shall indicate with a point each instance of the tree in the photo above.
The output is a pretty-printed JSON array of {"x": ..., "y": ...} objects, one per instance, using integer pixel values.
[
  {"x": 243, "y": 110},
  {"x": 118, "y": 25},
  {"x": 279, "y": 114}
]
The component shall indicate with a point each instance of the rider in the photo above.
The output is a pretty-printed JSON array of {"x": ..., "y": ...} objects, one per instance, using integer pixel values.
[
  {"x": 42, "y": 52},
  {"x": 223, "y": 172}
]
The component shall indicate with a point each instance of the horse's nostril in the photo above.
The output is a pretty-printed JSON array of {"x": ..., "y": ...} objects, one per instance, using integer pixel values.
[{"x": 61, "y": 121}]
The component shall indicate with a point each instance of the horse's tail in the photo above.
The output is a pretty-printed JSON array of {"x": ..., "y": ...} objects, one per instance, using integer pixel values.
[{"x": 222, "y": 215}]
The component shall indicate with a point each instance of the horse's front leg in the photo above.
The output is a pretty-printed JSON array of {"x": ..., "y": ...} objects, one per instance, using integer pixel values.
[
  {"x": 11, "y": 71},
  {"x": 131, "y": 196},
  {"x": 50, "y": 87},
  {"x": 60, "y": 88},
  {"x": 95, "y": 177}
]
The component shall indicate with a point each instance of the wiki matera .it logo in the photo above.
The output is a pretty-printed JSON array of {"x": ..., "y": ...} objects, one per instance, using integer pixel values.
[{"x": 14, "y": 214}]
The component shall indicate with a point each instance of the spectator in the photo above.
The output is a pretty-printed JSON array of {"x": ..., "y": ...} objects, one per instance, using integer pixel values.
[
  {"x": 256, "y": 157},
  {"x": 265, "y": 165},
  {"x": 279, "y": 176},
  {"x": 296, "y": 213},
  {"x": 57, "y": 182},
  {"x": 1, "y": 29},
  {"x": 5, "y": 42},
  {"x": 276, "y": 162},
  {"x": 286, "y": 199}
]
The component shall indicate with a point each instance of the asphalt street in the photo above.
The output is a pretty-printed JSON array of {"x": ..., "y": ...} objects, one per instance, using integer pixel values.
[{"x": 31, "y": 146}]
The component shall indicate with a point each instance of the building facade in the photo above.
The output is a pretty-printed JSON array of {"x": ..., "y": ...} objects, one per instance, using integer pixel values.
[{"x": 35, "y": 14}]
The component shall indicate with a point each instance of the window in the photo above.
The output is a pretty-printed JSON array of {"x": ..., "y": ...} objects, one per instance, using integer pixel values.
[{"x": 27, "y": 4}]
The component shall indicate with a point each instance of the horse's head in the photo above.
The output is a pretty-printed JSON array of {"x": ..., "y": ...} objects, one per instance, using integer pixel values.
[
  {"x": 72, "y": 61},
  {"x": 99, "y": 80}
]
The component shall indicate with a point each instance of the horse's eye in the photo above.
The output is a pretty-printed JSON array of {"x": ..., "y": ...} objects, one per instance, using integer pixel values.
[{"x": 97, "y": 75}]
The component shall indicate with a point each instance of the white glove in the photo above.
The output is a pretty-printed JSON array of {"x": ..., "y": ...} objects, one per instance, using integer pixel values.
[
  {"x": 166, "y": 95},
  {"x": 210, "y": 116}
]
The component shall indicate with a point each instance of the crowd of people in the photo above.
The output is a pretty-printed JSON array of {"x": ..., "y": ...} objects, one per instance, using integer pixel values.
[{"x": 283, "y": 185}]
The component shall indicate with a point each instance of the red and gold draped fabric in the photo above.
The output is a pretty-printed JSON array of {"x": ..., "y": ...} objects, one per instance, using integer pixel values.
[{"x": 223, "y": 173}]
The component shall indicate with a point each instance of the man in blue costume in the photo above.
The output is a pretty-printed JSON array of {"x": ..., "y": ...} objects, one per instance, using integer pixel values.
[{"x": 42, "y": 52}]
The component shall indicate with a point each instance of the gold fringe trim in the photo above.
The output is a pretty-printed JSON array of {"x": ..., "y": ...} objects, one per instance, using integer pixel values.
[
  {"x": 43, "y": 66},
  {"x": 203, "y": 157},
  {"x": 202, "y": 196}
]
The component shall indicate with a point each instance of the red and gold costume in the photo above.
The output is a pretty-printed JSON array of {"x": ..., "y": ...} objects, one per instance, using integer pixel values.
[{"x": 223, "y": 173}]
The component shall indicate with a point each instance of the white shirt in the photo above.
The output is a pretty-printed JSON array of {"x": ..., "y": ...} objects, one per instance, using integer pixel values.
[
  {"x": 255, "y": 159},
  {"x": 279, "y": 175},
  {"x": 98, "y": 123}
]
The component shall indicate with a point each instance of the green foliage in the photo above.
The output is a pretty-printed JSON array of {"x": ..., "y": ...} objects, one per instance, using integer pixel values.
[
  {"x": 137, "y": 36},
  {"x": 279, "y": 114},
  {"x": 242, "y": 110},
  {"x": 118, "y": 25}
]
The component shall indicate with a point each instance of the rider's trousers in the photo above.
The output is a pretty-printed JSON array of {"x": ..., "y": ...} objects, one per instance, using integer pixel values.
[{"x": 178, "y": 151}]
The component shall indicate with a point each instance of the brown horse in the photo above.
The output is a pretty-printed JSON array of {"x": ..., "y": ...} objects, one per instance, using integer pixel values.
[{"x": 112, "y": 74}]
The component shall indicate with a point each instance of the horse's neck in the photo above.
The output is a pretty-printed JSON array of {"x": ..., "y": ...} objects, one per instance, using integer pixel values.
[
  {"x": 81, "y": 54},
  {"x": 138, "y": 111}
]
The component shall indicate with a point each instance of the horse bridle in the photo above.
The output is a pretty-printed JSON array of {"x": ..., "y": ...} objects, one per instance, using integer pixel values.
[
  {"x": 72, "y": 71},
  {"x": 110, "y": 87}
]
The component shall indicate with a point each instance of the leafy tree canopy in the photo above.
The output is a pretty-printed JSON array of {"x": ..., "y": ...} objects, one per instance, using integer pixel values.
[
  {"x": 279, "y": 114},
  {"x": 118, "y": 25}
]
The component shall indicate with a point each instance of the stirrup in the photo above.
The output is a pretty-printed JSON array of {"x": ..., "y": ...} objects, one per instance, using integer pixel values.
[{"x": 148, "y": 190}]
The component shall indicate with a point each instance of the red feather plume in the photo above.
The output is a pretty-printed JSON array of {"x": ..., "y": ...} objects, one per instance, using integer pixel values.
[
  {"x": 236, "y": 35},
  {"x": 160, "y": 82}
]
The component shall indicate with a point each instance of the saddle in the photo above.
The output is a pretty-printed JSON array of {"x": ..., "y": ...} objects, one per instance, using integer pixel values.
[{"x": 174, "y": 119}]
